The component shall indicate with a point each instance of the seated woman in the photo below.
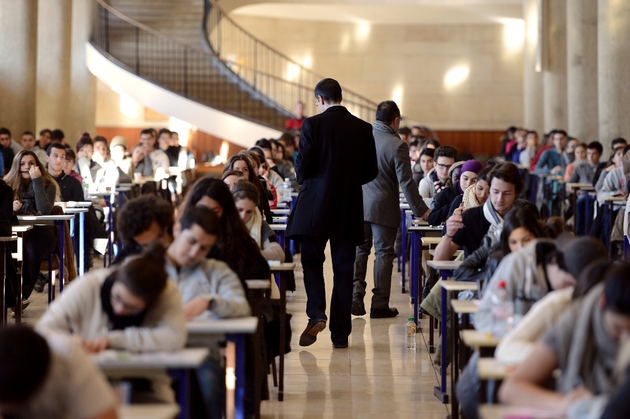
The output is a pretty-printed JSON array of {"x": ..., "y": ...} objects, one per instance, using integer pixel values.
[
  {"x": 442, "y": 202},
  {"x": 234, "y": 245},
  {"x": 34, "y": 193},
  {"x": 583, "y": 345},
  {"x": 246, "y": 199},
  {"x": 521, "y": 340},
  {"x": 131, "y": 306},
  {"x": 475, "y": 195},
  {"x": 230, "y": 177},
  {"x": 245, "y": 163}
]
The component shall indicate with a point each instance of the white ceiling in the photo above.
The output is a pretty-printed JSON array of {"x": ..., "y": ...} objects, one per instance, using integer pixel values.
[{"x": 385, "y": 12}]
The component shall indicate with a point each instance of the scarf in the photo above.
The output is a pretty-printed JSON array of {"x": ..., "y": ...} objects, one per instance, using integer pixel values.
[
  {"x": 495, "y": 220},
  {"x": 118, "y": 322},
  {"x": 254, "y": 226},
  {"x": 379, "y": 126},
  {"x": 437, "y": 185},
  {"x": 470, "y": 199},
  {"x": 27, "y": 198},
  {"x": 591, "y": 352}
]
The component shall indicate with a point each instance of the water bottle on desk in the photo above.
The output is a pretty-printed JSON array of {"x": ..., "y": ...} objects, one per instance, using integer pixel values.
[
  {"x": 502, "y": 310},
  {"x": 286, "y": 190},
  {"x": 411, "y": 334},
  {"x": 86, "y": 190}
]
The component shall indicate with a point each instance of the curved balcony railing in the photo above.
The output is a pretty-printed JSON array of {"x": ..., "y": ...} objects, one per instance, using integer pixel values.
[
  {"x": 266, "y": 70},
  {"x": 190, "y": 72}
]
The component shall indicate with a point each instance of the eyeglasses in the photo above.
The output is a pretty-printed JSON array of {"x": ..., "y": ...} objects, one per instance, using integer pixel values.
[
  {"x": 117, "y": 299},
  {"x": 444, "y": 166}
]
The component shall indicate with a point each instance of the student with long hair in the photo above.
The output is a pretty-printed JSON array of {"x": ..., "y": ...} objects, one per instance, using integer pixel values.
[
  {"x": 234, "y": 245},
  {"x": 34, "y": 193},
  {"x": 245, "y": 163}
]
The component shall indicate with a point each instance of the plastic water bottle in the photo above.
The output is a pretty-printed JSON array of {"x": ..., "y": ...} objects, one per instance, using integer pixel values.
[
  {"x": 411, "y": 334},
  {"x": 502, "y": 310},
  {"x": 86, "y": 190},
  {"x": 286, "y": 190}
]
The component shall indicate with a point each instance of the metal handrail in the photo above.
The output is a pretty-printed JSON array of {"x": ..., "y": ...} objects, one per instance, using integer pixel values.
[{"x": 235, "y": 45}]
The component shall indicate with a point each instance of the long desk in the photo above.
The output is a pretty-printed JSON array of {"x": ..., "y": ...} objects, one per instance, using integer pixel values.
[
  {"x": 417, "y": 233},
  {"x": 80, "y": 247},
  {"x": 178, "y": 364},
  {"x": 59, "y": 221},
  {"x": 235, "y": 330},
  {"x": 279, "y": 270}
]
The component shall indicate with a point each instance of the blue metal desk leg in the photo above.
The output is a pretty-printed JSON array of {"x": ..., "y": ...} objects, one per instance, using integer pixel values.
[
  {"x": 414, "y": 274},
  {"x": 440, "y": 391},
  {"x": 239, "y": 391},
  {"x": 81, "y": 243},
  {"x": 403, "y": 232},
  {"x": 399, "y": 256},
  {"x": 62, "y": 242},
  {"x": 183, "y": 391}
]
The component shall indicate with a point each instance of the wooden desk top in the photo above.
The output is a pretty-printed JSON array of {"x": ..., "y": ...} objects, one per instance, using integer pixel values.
[
  {"x": 476, "y": 339},
  {"x": 431, "y": 241},
  {"x": 451, "y": 285},
  {"x": 35, "y": 218},
  {"x": 446, "y": 265},
  {"x": 282, "y": 219},
  {"x": 615, "y": 199},
  {"x": 465, "y": 306},
  {"x": 148, "y": 411},
  {"x": 112, "y": 360},
  {"x": 496, "y": 411},
  {"x": 21, "y": 229},
  {"x": 281, "y": 211},
  {"x": 578, "y": 185},
  {"x": 74, "y": 204},
  {"x": 8, "y": 239},
  {"x": 201, "y": 325},
  {"x": 274, "y": 266},
  {"x": 278, "y": 227},
  {"x": 424, "y": 228},
  {"x": 404, "y": 206},
  {"x": 74, "y": 210},
  {"x": 258, "y": 284},
  {"x": 493, "y": 369}
]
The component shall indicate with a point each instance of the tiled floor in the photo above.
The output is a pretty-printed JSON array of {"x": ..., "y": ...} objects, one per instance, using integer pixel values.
[{"x": 375, "y": 377}]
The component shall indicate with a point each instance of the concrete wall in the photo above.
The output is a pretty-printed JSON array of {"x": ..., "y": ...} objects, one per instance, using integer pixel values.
[{"x": 410, "y": 64}]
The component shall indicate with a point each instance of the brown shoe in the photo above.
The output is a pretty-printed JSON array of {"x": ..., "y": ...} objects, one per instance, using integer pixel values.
[{"x": 309, "y": 335}]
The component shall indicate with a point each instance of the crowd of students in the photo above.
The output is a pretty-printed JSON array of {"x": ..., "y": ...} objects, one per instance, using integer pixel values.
[
  {"x": 572, "y": 302},
  {"x": 570, "y": 297}
]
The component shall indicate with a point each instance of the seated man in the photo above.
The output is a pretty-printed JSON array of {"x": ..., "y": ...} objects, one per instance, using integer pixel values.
[
  {"x": 208, "y": 287},
  {"x": 28, "y": 142},
  {"x": 131, "y": 306},
  {"x": 505, "y": 185},
  {"x": 70, "y": 188},
  {"x": 583, "y": 345},
  {"x": 142, "y": 221},
  {"x": 53, "y": 380},
  {"x": 438, "y": 178}
]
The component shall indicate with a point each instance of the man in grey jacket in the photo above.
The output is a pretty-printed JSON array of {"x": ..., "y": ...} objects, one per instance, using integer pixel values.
[{"x": 381, "y": 212}]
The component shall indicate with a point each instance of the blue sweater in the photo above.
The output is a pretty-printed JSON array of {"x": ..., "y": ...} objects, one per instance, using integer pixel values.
[{"x": 549, "y": 159}]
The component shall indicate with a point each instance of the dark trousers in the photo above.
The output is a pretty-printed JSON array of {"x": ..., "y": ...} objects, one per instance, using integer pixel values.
[
  {"x": 38, "y": 243},
  {"x": 343, "y": 254}
]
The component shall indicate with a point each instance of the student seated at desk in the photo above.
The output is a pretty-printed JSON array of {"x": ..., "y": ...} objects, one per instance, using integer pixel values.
[
  {"x": 208, "y": 288},
  {"x": 583, "y": 344},
  {"x": 234, "y": 245},
  {"x": 35, "y": 193},
  {"x": 246, "y": 198},
  {"x": 521, "y": 340},
  {"x": 131, "y": 307},
  {"x": 141, "y": 222},
  {"x": 51, "y": 379}
]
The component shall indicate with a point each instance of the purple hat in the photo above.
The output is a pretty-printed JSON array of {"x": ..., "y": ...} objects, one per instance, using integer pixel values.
[{"x": 472, "y": 166}]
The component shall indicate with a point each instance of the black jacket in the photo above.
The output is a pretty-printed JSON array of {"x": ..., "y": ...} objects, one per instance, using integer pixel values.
[
  {"x": 441, "y": 205},
  {"x": 337, "y": 155}
]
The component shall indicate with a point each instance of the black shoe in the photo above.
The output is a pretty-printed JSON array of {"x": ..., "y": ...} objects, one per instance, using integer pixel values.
[
  {"x": 340, "y": 345},
  {"x": 358, "y": 308},
  {"x": 40, "y": 283},
  {"x": 309, "y": 335},
  {"x": 383, "y": 313}
]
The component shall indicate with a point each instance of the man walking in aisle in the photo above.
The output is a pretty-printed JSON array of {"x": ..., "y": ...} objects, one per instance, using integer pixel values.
[
  {"x": 336, "y": 156},
  {"x": 381, "y": 212}
]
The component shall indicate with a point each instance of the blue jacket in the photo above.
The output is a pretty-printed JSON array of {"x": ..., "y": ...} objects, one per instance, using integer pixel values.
[{"x": 549, "y": 159}]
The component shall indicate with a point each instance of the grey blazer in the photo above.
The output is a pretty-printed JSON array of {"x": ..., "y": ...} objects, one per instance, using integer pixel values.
[{"x": 380, "y": 196}]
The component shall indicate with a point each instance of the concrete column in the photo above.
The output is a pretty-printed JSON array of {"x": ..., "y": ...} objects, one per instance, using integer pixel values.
[
  {"x": 53, "y": 64},
  {"x": 613, "y": 70},
  {"x": 18, "y": 49},
  {"x": 532, "y": 80},
  {"x": 582, "y": 70},
  {"x": 555, "y": 63},
  {"x": 83, "y": 83}
]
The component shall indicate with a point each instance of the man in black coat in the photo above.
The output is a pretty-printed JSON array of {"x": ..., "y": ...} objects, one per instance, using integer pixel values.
[{"x": 336, "y": 156}]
